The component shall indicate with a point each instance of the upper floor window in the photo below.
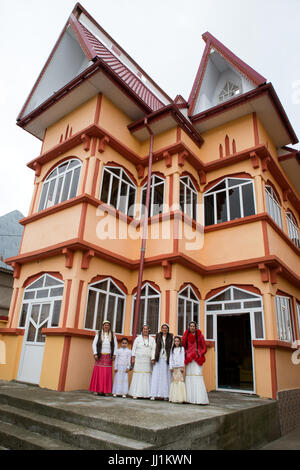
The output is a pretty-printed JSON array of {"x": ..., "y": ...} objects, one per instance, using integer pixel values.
[
  {"x": 157, "y": 189},
  {"x": 230, "y": 199},
  {"x": 106, "y": 301},
  {"x": 285, "y": 323},
  {"x": 230, "y": 90},
  {"x": 118, "y": 189},
  {"x": 293, "y": 228},
  {"x": 61, "y": 184},
  {"x": 273, "y": 206},
  {"x": 188, "y": 197}
]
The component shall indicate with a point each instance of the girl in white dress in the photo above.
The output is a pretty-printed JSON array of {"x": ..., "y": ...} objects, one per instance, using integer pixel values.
[
  {"x": 177, "y": 389},
  {"x": 122, "y": 367},
  {"x": 142, "y": 368}
]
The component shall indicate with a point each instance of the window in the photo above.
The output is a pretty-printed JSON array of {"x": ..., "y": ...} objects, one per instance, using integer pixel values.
[
  {"x": 285, "y": 324},
  {"x": 188, "y": 309},
  {"x": 273, "y": 206},
  {"x": 156, "y": 195},
  {"x": 188, "y": 197},
  {"x": 106, "y": 301},
  {"x": 230, "y": 199},
  {"x": 118, "y": 190},
  {"x": 149, "y": 309},
  {"x": 234, "y": 300},
  {"x": 61, "y": 184},
  {"x": 293, "y": 229},
  {"x": 230, "y": 90},
  {"x": 46, "y": 289}
]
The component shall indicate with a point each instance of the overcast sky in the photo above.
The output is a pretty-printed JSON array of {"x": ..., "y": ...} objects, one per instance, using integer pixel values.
[{"x": 162, "y": 36}]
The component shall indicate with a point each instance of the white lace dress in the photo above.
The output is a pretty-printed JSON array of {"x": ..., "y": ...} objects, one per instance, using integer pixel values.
[{"x": 141, "y": 376}]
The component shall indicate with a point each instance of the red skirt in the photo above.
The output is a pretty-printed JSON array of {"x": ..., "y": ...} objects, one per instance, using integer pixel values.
[{"x": 101, "y": 380}]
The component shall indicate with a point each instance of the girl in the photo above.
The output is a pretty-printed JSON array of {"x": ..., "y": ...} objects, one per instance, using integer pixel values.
[
  {"x": 141, "y": 361},
  {"x": 195, "y": 348},
  {"x": 104, "y": 347},
  {"x": 177, "y": 389},
  {"x": 122, "y": 367}
]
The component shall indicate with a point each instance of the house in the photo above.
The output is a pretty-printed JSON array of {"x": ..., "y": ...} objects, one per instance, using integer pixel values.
[{"x": 222, "y": 244}]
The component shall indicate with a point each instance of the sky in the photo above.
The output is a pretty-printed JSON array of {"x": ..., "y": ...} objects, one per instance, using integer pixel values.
[{"x": 162, "y": 36}]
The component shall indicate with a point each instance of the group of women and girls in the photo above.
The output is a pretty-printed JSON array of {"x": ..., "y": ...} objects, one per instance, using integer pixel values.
[{"x": 164, "y": 367}]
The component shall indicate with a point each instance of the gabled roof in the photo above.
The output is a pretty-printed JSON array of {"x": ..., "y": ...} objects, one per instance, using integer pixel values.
[
  {"x": 213, "y": 44},
  {"x": 10, "y": 237},
  {"x": 83, "y": 49}
]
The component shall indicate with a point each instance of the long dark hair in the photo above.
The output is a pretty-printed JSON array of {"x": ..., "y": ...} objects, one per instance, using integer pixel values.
[
  {"x": 99, "y": 343},
  {"x": 180, "y": 344}
]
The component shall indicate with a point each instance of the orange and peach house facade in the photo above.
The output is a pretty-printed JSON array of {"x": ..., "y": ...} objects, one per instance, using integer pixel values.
[{"x": 222, "y": 244}]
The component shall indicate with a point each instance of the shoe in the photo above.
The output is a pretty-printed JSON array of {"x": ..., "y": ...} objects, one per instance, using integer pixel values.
[
  {"x": 134, "y": 398},
  {"x": 123, "y": 396},
  {"x": 152, "y": 398},
  {"x": 114, "y": 395}
]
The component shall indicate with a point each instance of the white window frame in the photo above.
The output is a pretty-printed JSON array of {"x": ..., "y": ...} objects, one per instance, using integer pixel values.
[
  {"x": 285, "y": 320},
  {"x": 227, "y": 188},
  {"x": 50, "y": 179},
  {"x": 145, "y": 296},
  {"x": 153, "y": 185},
  {"x": 273, "y": 205},
  {"x": 121, "y": 181},
  {"x": 187, "y": 298},
  {"x": 188, "y": 187},
  {"x": 107, "y": 294},
  {"x": 44, "y": 299},
  {"x": 293, "y": 229}
]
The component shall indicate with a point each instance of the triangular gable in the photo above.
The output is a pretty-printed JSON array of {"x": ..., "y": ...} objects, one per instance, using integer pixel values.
[{"x": 219, "y": 68}]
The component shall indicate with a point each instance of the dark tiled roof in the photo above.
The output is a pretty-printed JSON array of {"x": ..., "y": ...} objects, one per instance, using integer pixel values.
[{"x": 10, "y": 237}]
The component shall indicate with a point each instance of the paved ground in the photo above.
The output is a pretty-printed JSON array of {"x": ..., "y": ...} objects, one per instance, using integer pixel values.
[{"x": 290, "y": 441}]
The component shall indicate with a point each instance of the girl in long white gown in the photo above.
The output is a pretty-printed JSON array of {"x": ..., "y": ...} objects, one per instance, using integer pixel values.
[
  {"x": 177, "y": 389},
  {"x": 142, "y": 367},
  {"x": 161, "y": 375}
]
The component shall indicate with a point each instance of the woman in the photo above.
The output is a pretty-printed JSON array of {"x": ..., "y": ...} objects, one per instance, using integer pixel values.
[
  {"x": 161, "y": 375},
  {"x": 141, "y": 361},
  {"x": 104, "y": 348},
  {"x": 195, "y": 349}
]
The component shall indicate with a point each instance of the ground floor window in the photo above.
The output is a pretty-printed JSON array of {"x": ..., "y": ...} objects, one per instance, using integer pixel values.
[
  {"x": 284, "y": 316},
  {"x": 106, "y": 301},
  {"x": 149, "y": 309},
  {"x": 188, "y": 309}
]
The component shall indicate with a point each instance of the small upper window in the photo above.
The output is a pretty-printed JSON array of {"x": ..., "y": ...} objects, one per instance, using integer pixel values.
[
  {"x": 118, "y": 190},
  {"x": 293, "y": 228},
  {"x": 230, "y": 90},
  {"x": 157, "y": 187},
  {"x": 61, "y": 184},
  {"x": 188, "y": 197},
  {"x": 273, "y": 206}
]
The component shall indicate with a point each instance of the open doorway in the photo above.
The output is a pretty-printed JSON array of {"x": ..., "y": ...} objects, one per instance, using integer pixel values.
[{"x": 235, "y": 368}]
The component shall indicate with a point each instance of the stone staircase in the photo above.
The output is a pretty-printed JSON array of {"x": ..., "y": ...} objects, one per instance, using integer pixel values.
[{"x": 35, "y": 418}]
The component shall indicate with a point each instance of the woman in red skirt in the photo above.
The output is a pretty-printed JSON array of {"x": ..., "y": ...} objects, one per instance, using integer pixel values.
[{"x": 104, "y": 348}]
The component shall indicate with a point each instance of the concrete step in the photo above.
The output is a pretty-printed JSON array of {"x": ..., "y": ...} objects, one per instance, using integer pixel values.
[
  {"x": 16, "y": 438},
  {"x": 71, "y": 434}
]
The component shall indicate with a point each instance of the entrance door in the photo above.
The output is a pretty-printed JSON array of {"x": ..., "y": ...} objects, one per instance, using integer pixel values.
[
  {"x": 235, "y": 368},
  {"x": 34, "y": 343}
]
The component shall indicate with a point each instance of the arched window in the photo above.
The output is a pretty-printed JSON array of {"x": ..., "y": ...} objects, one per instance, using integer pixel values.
[
  {"x": 231, "y": 198},
  {"x": 293, "y": 228},
  {"x": 229, "y": 91},
  {"x": 106, "y": 301},
  {"x": 156, "y": 195},
  {"x": 61, "y": 184},
  {"x": 149, "y": 309},
  {"x": 188, "y": 309},
  {"x": 188, "y": 197},
  {"x": 285, "y": 320},
  {"x": 118, "y": 190},
  {"x": 42, "y": 303},
  {"x": 234, "y": 300},
  {"x": 273, "y": 205}
]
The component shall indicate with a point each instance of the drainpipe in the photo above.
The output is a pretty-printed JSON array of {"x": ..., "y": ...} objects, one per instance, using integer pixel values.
[{"x": 144, "y": 237}]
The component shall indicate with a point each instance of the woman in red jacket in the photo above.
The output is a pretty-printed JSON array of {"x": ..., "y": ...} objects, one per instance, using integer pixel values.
[{"x": 195, "y": 349}]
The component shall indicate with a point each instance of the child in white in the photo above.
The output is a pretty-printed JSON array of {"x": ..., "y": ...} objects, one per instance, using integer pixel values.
[
  {"x": 176, "y": 364},
  {"x": 122, "y": 367}
]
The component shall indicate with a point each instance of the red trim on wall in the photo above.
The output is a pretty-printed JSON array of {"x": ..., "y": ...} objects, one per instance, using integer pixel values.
[
  {"x": 95, "y": 177},
  {"x": 273, "y": 373},
  {"x": 171, "y": 189},
  {"x": 79, "y": 295},
  {"x": 12, "y": 331},
  {"x": 241, "y": 175},
  {"x": 167, "y": 306},
  {"x": 82, "y": 220},
  {"x": 99, "y": 278},
  {"x": 195, "y": 288},
  {"x": 67, "y": 302},
  {"x": 94, "y": 146},
  {"x": 14, "y": 307},
  {"x": 85, "y": 175},
  {"x": 98, "y": 108},
  {"x": 64, "y": 364},
  {"x": 33, "y": 204},
  {"x": 265, "y": 237},
  {"x": 31, "y": 279},
  {"x": 255, "y": 129}
]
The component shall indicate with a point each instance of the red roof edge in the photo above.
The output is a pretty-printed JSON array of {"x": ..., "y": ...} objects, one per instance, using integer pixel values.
[
  {"x": 244, "y": 68},
  {"x": 87, "y": 49}
]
